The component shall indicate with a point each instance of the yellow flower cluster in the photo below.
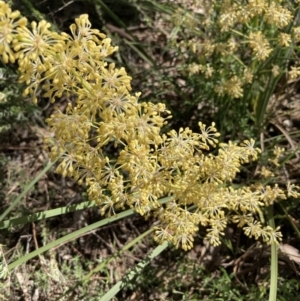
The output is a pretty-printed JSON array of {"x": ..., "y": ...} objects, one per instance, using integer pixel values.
[
  {"x": 112, "y": 143},
  {"x": 241, "y": 12},
  {"x": 9, "y": 22},
  {"x": 232, "y": 36}
]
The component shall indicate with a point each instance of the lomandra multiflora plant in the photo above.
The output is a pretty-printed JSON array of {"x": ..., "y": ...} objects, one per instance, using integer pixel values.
[
  {"x": 147, "y": 164},
  {"x": 234, "y": 53}
]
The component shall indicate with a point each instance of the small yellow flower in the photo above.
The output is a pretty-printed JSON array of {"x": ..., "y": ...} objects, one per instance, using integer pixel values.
[
  {"x": 294, "y": 73},
  {"x": 83, "y": 33},
  {"x": 115, "y": 78},
  {"x": 248, "y": 76},
  {"x": 35, "y": 42},
  {"x": 266, "y": 173},
  {"x": 256, "y": 7},
  {"x": 270, "y": 235},
  {"x": 209, "y": 71},
  {"x": 233, "y": 87},
  {"x": 194, "y": 45},
  {"x": 9, "y": 22},
  {"x": 260, "y": 45},
  {"x": 270, "y": 194},
  {"x": 250, "y": 149},
  {"x": 213, "y": 236},
  {"x": 253, "y": 229},
  {"x": 208, "y": 48},
  {"x": 162, "y": 235},
  {"x": 194, "y": 68},
  {"x": 278, "y": 152},
  {"x": 228, "y": 16},
  {"x": 277, "y": 15},
  {"x": 293, "y": 190},
  {"x": 209, "y": 134},
  {"x": 185, "y": 241},
  {"x": 275, "y": 70},
  {"x": 296, "y": 33},
  {"x": 284, "y": 39},
  {"x": 232, "y": 45}
]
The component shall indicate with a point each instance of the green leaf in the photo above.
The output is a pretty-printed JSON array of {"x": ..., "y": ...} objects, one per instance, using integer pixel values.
[{"x": 46, "y": 214}]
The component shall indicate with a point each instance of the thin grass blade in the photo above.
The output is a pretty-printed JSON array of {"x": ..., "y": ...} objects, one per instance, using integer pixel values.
[
  {"x": 46, "y": 214},
  {"x": 69, "y": 237},
  {"x": 26, "y": 190},
  {"x": 133, "y": 272}
]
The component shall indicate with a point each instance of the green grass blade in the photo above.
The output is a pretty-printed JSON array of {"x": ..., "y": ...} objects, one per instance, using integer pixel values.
[
  {"x": 104, "y": 263},
  {"x": 69, "y": 237},
  {"x": 110, "y": 259},
  {"x": 145, "y": 57},
  {"x": 158, "y": 7},
  {"x": 280, "y": 57},
  {"x": 26, "y": 190},
  {"x": 139, "y": 49},
  {"x": 133, "y": 272},
  {"x": 113, "y": 16},
  {"x": 46, "y": 214},
  {"x": 293, "y": 224},
  {"x": 76, "y": 234},
  {"x": 54, "y": 212}
]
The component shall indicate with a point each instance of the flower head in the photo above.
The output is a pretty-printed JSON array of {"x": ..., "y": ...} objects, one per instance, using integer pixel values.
[{"x": 9, "y": 21}]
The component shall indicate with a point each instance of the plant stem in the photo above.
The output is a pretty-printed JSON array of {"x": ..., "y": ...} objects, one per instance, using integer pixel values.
[{"x": 274, "y": 259}]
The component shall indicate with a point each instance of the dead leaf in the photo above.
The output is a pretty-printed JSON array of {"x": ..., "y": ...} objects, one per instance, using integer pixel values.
[{"x": 292, "y": 253}]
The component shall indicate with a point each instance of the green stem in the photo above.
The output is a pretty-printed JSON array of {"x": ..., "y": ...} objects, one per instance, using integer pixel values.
[{"x": 274, "y": 259}]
